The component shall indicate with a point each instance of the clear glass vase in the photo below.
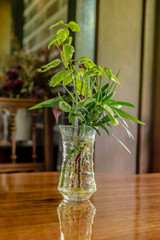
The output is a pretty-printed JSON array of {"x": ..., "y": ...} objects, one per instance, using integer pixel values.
[{"x": 77, "y": 181}]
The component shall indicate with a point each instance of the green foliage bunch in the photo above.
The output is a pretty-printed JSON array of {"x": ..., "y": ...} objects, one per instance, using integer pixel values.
[{"x": 89, "y": 103}]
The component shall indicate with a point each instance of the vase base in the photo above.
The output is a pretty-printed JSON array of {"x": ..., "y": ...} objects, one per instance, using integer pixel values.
[{"x": 76, "y": 194}]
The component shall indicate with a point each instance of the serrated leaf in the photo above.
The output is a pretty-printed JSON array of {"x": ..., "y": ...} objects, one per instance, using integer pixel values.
[
  {"x": 53, "y": 41},
  {"x": 64, "y": 106},
  {"x": 64, "y": 60},
  {"x": 68, "y": 51},
  {"x": 90, "y": 73},
  {"x": 68, "y": 79},
  {"x": 62, "y": 34},
  {"x": 81, "y": 86},
  {"x": 56, "y": 24},
  {"x": 87, "y": 61},
  {"x": 74, "y": 26},
  {"x": 59, "y": 77},
  {"x": 52, "y": 64},
  {"x": 127, "y": 115}
]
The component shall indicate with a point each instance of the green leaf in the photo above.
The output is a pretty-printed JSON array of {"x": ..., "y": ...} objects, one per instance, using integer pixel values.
[
  {"x": 70, "y": 39},
  {"x": 51, "y": 105},
  {"x": 118, "y": 73},
  {"x": 64, "y": 60},
  {"x": 105, "y": 87},
  {"x": 81, "y": 86},
  {"x": 91, "y": 73},
  {"x": 102, "y": 126},
  {"x": 108, "y": 73},
  {"x": 127, "y": 115},
  {"x": 68, "y": 51},
  {"x": 121, "y": 142},
  {"x": 74, "y": 26},
  {"x": 96, "y": 130},
  {"x": 105, "y": 120},
  {"x": 102, "y": 90},
  {"x": 53, "y": 41},
  {"x": 62, "y": 34},
  {"x": 113, "y": 102},
  {"x": 87, "y": 61},
  {"x": 71, "y": 117},
  {"x": 40, "y": 105},
  {"x": 107, "y": 98},
  {"x": 111, "y": 114},
  {"x": 127, "y": 130},
  {"x": 83, "y": 129},
  {"x": 59, "y": 77},
  {"x": 85, "y": 102},
  {"x": 56, "y": 24},
  {"x": 52, "y": 64},
  {"x": 110, "y": 76},
  {"x": 64, "y": 106},
  {"x": 113, "y": 78},
  {"x": 80, "y": 117},
  {"x": 68, "y": 79}
]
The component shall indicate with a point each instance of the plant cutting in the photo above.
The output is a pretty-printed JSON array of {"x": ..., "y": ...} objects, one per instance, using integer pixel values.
[{"x": 89, "y": 103}]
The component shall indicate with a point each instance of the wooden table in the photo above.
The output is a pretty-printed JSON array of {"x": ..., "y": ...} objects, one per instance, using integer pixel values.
[{"x": 125, "y": 207}]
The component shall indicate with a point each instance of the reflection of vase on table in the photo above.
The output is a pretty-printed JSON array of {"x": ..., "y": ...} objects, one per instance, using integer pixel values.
[{"x": 76, "y": 220}]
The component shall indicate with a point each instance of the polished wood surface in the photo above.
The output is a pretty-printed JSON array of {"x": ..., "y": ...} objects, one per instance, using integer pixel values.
[{"x": 125, "y": 207}]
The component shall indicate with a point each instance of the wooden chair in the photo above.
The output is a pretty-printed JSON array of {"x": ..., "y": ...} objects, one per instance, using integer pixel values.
[{"x": 13, "y": 104}]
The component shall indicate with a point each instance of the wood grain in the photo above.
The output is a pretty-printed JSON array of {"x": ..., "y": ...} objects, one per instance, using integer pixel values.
[{"x": 125, "y": 207}]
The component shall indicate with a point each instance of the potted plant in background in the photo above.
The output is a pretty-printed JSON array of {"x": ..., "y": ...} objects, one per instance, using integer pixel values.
[
  {"x": 19, "y": 80},
  {"x": 19, "y": 77},
  {"x": 90, "y": 105}
]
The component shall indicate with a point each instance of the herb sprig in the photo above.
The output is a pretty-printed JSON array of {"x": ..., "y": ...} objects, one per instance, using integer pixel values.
[{"x": 89, "y": 103}]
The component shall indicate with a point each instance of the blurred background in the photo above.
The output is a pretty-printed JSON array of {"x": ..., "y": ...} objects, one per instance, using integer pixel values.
[{"x": 119, "y": 34}]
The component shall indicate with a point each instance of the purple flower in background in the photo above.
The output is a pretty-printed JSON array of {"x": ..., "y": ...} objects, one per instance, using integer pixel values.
[
  {"x": 11, "y": 75},
  {"x": 7, "y": 87},
  {"x": 8, "y": 84},
  {"x": 18, "y": 82},
  {"x": 17, "y": 79},
  {"x": 18, "y": 67}
]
